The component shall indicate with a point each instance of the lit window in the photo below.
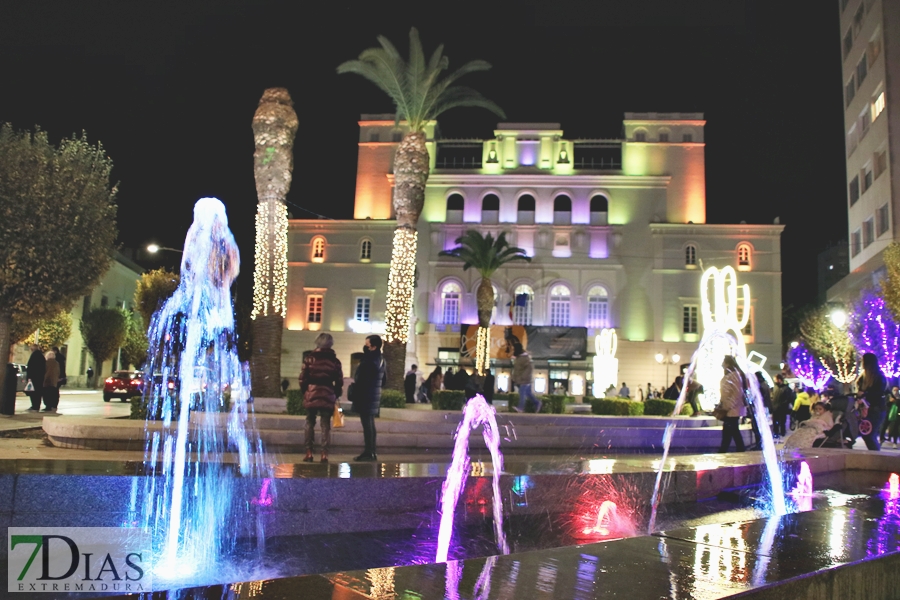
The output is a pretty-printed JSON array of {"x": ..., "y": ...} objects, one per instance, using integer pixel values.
[
  {"x": 877, "y": 105},
  {"x": 881, "y": 216},
  {"x": 362, "y": 309},
  {"x": 855, "y": 243},
  {"x": 365, "y": 250},
  {"x": 314, "y": 310},
  {"x": 854, "y": 190},
  {"x": 560, "y": 306},
  {"x": 450, "y": 295},
  {"x": 743, "y": 256},
  {"x": 868, "y": 229},
  {"x": 521, "y": 305},
  {"x": 597, "y": 308},
  {"x": 689, "y": 321},
  {"x": 318, "y": 250},
  {"x": 690, "y": 255}
]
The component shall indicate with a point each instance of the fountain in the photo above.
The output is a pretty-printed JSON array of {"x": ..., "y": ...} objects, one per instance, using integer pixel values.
[
  {"x": 476, "y": 412},
  {"x": 188, "y": 500},
  {"x": 803, "y": 491}
]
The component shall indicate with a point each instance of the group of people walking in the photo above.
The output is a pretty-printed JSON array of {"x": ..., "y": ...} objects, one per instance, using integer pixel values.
[{"x": 46, "y": 375}]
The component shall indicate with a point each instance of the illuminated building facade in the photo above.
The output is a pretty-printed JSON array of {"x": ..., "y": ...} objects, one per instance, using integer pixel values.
[
  {"x": 616, "y": 229},
  {"x": 870, "y": 60}
]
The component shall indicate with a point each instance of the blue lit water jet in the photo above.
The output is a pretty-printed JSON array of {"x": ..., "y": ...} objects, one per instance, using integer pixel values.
[{"x": 189, "y": 498}]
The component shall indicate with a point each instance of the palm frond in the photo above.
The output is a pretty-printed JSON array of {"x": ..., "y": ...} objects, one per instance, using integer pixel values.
[
  {"x": 484, "y": 253},
  {"x": 463, "y": 96}
]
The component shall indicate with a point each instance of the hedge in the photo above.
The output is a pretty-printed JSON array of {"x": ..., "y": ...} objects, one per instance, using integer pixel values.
[
  {"x": 393, "y": 399},
  {"x": 616, "y": 406},
  {"x": 448, "y": 400},
  {"x": 140, "y": 409},
  {"x": 295, "y": 403},
  {"x": 661, "y": 407}
]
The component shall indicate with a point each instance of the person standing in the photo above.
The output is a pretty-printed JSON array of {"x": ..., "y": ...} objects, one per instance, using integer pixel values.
[
  {"x": 872, "y": 387},
  {"x": 61, "y": 359},
  {"x": 731, "y": 394},
  {"x": 624, "y": 392},
  {"x": 409, "y": 384},
  {"x": 433, "y": 384},
  {"x": 674, "y": 390},
  {"x": 489, "y": 383},
  {"x": 50, "y": 390},
  {"x": 522, "y": 376},
  {"x": 370, "y": 376},
  {"x": 782, "y": 402},
  {"x": 37, "y": 370},
  {"x": 321, "y": 382}
]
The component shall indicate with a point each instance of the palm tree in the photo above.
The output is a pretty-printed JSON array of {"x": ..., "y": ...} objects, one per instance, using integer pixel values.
[
  {"x": 419, "y": 96},
  {"x": 274, "y": 127},
  {"x": 486, "y": 255}
]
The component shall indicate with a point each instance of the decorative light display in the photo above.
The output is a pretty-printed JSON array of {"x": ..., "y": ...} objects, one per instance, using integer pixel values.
[
  {"x": 606, "y": 365},
  {"x": 720, "y": 317},
  {"x": 401, "y": 283},
  {"x": 808, "y": 369},
  {"x": 270, "y": 272},
  {"x": 846, "y": 370},
  {"x": 482, "y": 350},
  {"x": 873, "y": 329}
]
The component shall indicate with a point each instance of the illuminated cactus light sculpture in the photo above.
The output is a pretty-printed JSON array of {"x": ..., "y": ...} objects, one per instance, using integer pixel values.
[{"x": 606, "y": 365}]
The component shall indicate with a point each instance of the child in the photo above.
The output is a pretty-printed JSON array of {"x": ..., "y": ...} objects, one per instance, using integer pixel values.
[{"x": 811, "y": 429}]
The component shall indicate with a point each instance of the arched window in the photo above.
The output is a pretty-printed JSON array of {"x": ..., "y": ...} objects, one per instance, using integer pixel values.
[
  {"x": 664, "y": 134},
  {"x": 455, "y": 205},
  {"x": 597, "y": 307},
  {"x": 690, "y": 256},
  {"x": 450, "y": 297},
  {"x": 599, "y": 210},
  {"x": 560, "y": 306},
  {"x": 521, "y": 305},
  {"x": 640, "y": 135},
  {"x": 318, "y": 249},
  {"x": 365, "y": 250},
  {"x": 562, "y": 210},
  {"x": 490, "y": 209},
  {"x": 744, "y": 256},
  {"x": 526, "y": 210}
]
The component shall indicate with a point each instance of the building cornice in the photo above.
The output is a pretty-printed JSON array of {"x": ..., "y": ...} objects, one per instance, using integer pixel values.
[
  {"x": 321, "y": 225},
  {"x": 552, "y": 181},
  {"x": 715, "y": 229}
]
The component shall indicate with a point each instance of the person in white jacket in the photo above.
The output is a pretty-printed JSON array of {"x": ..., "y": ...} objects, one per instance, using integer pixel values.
[{"x": 731, "y": 394}]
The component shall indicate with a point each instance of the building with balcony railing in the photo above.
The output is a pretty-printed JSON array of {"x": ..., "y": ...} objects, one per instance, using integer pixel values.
[{"x": 616, "y": 229}]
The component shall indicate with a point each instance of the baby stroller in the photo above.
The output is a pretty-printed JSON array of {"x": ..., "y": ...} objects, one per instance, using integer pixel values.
[
  {"x": 846, "y": 425},
  {"x": 799, "y": 415}
]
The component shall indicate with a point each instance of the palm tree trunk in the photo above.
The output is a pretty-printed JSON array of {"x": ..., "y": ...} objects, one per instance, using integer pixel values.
[
  {"x": 5, "y": 330},
  {"x": 484, "y": 296},
  {"x": 411, "y": 165},
  {"x": 274, "y": 127}
]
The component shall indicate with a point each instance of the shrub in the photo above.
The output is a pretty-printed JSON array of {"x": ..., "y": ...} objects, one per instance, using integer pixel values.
[
  {"x": 511, "y": 397},
  {"x": 553, "y": 404},
  {"x": 616, "y": 406},
  {"x": 448, "y": 400},
  {"x": 659, "y": 406},
  {"x": 295, "y": 403},
  {"x": 393, "y": 399}
]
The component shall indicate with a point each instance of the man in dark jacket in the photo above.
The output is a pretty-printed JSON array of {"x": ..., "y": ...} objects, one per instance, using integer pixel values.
[
  {"x": 409, "y": 384},
  {"x": 370, "y": 376},
  {"x": 782, "y": 401},
  {"x": 37, "y": 370}
]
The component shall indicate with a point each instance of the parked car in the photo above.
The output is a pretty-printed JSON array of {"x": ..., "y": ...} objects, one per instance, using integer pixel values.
[
  {"x": 21, "y": 377},
  {"x": 123, "y": 385}
]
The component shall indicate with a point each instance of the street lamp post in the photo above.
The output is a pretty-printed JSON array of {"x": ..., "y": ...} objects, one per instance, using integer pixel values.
[
  {"x": 154, "y": 248},
  {"x": 668, "y": 359}
]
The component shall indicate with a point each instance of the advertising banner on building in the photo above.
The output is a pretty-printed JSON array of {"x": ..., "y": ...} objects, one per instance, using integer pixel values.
[{"x": 542, "y": 343}]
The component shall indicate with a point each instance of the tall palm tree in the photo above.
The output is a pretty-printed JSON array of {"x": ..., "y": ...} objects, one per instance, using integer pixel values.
[
  {"x": 420, "y": 95},
  {"x": 485, "y": 254},
  {"x": 274, "y": 127}
]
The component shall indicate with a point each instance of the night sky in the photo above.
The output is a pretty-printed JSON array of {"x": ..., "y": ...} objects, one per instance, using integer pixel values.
[{"x": 170, "y": 91}]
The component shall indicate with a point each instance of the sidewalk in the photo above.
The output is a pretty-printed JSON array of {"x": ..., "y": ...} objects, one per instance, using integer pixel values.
[{"x": 81, "y": 403}]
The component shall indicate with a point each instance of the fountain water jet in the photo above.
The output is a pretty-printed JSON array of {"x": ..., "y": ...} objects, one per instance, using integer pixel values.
[
  {"x": 476, "y": 412},
  {"x": 712, "y": 338},
  {"x": 803, "y": 491},
  {"x": 189, "y": 505}
]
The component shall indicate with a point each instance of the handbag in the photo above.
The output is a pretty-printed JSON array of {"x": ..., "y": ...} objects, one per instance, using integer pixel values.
[
  {"x": 29, "y": 387},
  {"x": 338, "y": 419},
  {"x": 720, "y": 412}
]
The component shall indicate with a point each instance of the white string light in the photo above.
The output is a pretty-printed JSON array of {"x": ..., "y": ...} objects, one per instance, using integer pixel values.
[
  {"x": 482, "y": 350},
  {"x": 270, "y": 271},
  {"x": 401, "y": 282},
  {"x": 606, "y": 365}
]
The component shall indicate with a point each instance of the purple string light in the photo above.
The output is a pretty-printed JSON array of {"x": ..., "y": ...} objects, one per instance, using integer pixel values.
[
  {"x": 873, "y": 329},
  {"x": 807, "y": 368}
]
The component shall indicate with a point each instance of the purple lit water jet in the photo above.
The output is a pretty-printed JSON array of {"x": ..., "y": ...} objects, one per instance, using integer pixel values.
[
  {"x": 476, "y": 412},
  {"x": 803, "y": 491}
]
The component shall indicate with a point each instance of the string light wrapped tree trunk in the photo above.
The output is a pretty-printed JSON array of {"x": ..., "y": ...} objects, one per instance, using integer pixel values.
[
  {"x": 274, "y": 127},
  {"x": 485, "y": 254},
  {"x": 419, "y": 96}
]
